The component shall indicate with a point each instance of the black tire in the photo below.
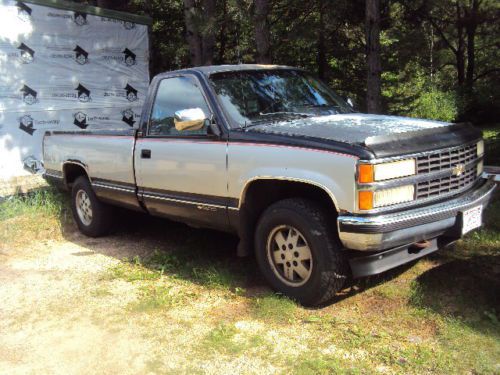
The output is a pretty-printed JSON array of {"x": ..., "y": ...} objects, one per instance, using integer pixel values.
[
  {"x": 328, "y": 270},
  {"x": 100, "y": 222}
]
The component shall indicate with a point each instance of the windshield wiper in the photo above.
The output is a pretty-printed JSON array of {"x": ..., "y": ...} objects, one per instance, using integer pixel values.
[{"x": 284, "y": 113}]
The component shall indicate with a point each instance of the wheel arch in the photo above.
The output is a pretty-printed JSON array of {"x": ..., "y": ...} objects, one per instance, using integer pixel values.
[
  {"x": 72, "y": 169},
  {"x": 260, "y": 192},
  {"x": 283, "y": 179}
]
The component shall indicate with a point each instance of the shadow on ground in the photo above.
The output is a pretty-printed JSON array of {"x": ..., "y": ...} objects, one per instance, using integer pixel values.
[
  {"x": 190, "y": 250},
  {"x": 467, "y": 289},
  {"x": 453, "y": 288}
]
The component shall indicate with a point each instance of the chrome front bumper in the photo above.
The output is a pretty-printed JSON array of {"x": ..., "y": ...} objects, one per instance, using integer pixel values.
[{"x": 380, "y": 232}]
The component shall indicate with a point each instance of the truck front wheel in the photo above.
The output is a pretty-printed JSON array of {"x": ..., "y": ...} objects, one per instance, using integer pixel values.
[
  {"x": 298, "y": 253},
  {"x": 91, "y": 215}
]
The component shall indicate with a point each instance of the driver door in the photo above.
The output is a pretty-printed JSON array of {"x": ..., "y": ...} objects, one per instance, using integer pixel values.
[{"x": 182, "y": 174}]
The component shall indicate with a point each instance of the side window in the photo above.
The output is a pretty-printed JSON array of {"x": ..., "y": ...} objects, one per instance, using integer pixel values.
[{"x": 175, "y": 94}]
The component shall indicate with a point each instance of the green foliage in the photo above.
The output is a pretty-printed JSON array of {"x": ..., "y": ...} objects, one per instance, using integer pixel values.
[
  {"x": 411, "y": 93},
  {"x": 436, "y": 105},
  {"x": 419, "y": 48}
]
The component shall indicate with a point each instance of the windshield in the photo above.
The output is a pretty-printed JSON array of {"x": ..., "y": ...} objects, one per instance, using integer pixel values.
[{"x": 257, "y": 96}]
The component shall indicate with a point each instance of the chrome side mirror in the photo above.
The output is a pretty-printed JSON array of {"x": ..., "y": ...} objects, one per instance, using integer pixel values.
[{"x": 189, "y": 119}]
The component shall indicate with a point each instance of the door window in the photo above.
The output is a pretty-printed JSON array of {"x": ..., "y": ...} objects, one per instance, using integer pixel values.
[{"x": 175, "y": 94}]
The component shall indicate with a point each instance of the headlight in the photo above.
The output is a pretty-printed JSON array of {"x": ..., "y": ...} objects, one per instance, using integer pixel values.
[
  {"x": 480, "y": 167},
  {"x": 386, "y": 171},
  {"x": 368, "y": 200},
  {"x": 480, "y": 148}
]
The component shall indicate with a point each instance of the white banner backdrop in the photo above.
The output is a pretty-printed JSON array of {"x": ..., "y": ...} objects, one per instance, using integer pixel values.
[{"x": 65, "y": 70}]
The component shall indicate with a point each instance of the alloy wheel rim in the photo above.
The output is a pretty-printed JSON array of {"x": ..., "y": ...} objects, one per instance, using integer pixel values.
[
  {"x": 289, "y": 255},
  {"x": 84, "y": 207}
]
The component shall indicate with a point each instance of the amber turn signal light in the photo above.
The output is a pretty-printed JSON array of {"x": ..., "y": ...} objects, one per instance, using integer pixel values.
[
  {"x": 365, "y": 173},
  {"x": 365, "y": 200}
]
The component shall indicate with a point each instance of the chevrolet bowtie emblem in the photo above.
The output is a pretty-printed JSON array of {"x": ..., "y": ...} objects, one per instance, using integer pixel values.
[{"x": 458, "y": 169}]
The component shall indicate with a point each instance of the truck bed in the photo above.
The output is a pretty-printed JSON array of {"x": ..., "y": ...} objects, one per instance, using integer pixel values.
[{"x": 105, "y": 154}]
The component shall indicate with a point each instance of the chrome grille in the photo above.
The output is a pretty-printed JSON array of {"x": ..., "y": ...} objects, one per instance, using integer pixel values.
[
  {"x": 446, "y": 159},
  {"x": 427, "y": 189}
]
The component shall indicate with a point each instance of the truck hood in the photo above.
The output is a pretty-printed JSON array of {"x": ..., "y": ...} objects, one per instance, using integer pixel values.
[
  {"x": 368, "y": 136},
  {"x": 353, "y": 128}
]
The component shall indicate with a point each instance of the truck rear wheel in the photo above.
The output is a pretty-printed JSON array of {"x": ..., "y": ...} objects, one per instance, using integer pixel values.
[
  {"x": 91, "y": 215},
  {"x": 298, "y": 252}
]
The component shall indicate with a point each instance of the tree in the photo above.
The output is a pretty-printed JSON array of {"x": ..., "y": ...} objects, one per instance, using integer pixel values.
[
  {"x": 261, "y": 30},
  {"x": 192, "y": 36},
  {"x": 200, "y": 21},
  {"x": 374, "y": 68}
]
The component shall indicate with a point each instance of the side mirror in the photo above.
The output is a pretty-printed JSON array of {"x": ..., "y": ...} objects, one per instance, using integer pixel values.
[{"x": 189, "y": 119}]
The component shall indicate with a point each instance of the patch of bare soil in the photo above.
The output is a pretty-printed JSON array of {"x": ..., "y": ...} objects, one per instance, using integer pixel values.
[{"x": 49, "y": 320}]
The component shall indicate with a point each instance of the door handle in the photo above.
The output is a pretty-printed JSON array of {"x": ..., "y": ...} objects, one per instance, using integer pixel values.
[{"x": 145, "y": 154}]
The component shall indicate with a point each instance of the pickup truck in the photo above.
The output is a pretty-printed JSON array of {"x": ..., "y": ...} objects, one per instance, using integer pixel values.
[{"x": 318, "y": 192}]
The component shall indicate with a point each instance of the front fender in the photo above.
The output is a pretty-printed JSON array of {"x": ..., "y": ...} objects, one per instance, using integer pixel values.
[{"x": 332, "y": 172}]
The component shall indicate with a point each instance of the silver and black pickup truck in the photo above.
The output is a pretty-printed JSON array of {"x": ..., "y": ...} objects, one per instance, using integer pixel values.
[{"x": 319, "y": 192}]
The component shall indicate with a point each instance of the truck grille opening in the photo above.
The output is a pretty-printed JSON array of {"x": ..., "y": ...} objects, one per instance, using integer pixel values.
[
  {"x": 446, "y": 159},
  {"x": 427, "y": 189}
]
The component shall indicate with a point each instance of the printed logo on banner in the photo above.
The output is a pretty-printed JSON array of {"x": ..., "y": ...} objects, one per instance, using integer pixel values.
[
  {"x": 77, "y": 54},
  {"x": 129, "y": 116},
  {"x": 81, "y": 56},
  {"x": 80, "y": 18},
  {"x": 26, "y": 54},
  {"x": 29, "y": 125},
  {"x": 129, "y": 57},
  {"x": 83, "y": 120},
  {"x": 127, "y": 25},
  {"x": 130, "y": 93},
  {"x": 125, "y": 56},
  {"x": 23, "y": 11},
  {"x": 26, "y": 124},
  {"x": 29, "y": 95},
  {"x": 80, "y": 120},
  {"x": 83, "y": 93}
]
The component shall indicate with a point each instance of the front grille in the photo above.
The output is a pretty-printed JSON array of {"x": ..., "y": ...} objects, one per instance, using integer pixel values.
[
  {"x": 427, "y": 189},
  {"x": 446, "y": 159}
]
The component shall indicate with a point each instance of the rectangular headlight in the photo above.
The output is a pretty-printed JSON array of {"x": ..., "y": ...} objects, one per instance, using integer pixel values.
[
  {"x": 480, "y": 168},
  {"x": 385, "y": 171},
  {"x": 480, "y": 148},
  {"x": 395, "y": 169},
  {"x": 395, "y": 195}
]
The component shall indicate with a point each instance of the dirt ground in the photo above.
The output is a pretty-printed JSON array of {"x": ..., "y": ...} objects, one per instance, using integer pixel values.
[
  {"x": 76, "y": 305},
  {"x": 62, "y": 312}
]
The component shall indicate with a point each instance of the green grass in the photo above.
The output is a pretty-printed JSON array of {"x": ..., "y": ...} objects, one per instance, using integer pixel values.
[
  {"x": 156, "y": 297},
  {"x": 46, "y": 202},
  {"x": 221, "y": 340},
  {"x": 274, "y": 308},
  {"x": 39, "y": 215},
  {"x": 211, "y": 276},
  {"x": 132, "y": 270},
  {"x": 227, "y": 340}
]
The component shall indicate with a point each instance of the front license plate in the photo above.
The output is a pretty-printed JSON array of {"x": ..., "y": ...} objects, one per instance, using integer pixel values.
[{"x": 471, "y": 219}]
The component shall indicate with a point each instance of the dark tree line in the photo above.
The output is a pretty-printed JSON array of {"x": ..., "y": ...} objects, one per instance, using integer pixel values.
[{"x": 430, "y": 58}]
